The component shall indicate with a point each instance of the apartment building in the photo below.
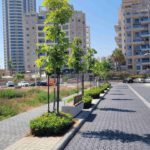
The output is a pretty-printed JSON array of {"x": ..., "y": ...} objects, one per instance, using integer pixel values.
[
  {"x": 34, "y": 25},
  {"x": 13, "y": 31},
  {"x": 133, "y": 34},
  {"x": 30, "y": 41},
  {"x": 76, "y": 27}
]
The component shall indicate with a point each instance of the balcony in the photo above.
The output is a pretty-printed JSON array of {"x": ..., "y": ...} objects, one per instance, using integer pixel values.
[
  {"x": 145, "y": 21},
  {"x": 138, "y": 41},
  {"x": 146, "y": 34},
  {"x": 139, "y": 27},
  {"x": 145, "y": 48},
  {"x": 117, "y": 28}
]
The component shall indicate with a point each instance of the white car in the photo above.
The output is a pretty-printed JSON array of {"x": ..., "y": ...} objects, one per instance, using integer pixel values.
[
  {"x": 10, "y": 84},
  {"x": 147, "y": 80},
  {"x": 23, "y": 83},
  {"x": 139, "y": 80}
]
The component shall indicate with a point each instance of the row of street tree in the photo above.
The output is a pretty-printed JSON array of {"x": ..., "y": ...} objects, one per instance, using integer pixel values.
[{"x": 54, "y": 57}]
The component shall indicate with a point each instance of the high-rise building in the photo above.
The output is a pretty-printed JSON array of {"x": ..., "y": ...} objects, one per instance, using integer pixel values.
[
  {"x": 30, "y": 41},
  {"x": 29, "y": 6},
  {"x": 13, "y": 30},
  {"x": 133, "y": 34}
]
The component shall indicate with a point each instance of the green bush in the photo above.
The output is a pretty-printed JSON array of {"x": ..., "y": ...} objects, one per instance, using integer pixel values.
[
  {"x": 51, "y": 124},
  {"x": 7, "y": 111},
  {"x": 87, "y": 100},
  {"x": 96, "y": 91},
  {"x": 10, "y": 93}
]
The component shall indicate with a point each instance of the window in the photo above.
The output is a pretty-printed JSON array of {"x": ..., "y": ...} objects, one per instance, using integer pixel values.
[
  {"x": 128, "y": 20},
  {"x": 138, "y": 67}
]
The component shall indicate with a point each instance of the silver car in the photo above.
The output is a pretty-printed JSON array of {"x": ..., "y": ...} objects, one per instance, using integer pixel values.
[
  {"x": 10, "y": 84},
  {"x": 147, "y": 80}
]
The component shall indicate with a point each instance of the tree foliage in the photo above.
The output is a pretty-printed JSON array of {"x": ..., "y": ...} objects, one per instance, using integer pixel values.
[
  {"x": 55, "y": 55},
  {"x": 101, "y": 68},
  {"x": 90, "y": 58},
  {"x": 118, "y": 58},
  {"x": 76, "y": 60}
]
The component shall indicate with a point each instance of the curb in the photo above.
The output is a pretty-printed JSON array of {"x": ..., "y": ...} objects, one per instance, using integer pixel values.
[{"x": 68, "y": 136}]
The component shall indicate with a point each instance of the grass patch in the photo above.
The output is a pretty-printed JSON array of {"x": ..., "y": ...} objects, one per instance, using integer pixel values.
[{"x": 11, "y": 93}]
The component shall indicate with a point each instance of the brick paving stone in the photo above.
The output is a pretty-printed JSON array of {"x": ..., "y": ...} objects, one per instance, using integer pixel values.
[
  {"x": 120, "y": 122},
  {"x": 17, "y": 127}
]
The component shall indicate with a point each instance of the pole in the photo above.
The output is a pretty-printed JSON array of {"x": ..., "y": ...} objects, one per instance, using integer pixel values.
[
  {"x": 58, "y": 89},
  {"x": 82, "y": 84},
  {"x": 54, "y": 99},
  {"x": 48, "y": 96}
]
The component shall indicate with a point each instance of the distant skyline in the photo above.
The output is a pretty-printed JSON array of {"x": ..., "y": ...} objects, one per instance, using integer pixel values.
[{"x": 101, "y": 17}]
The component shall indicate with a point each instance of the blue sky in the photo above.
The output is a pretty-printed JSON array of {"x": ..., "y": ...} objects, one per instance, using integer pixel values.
[{"x": 101, "y": 16}]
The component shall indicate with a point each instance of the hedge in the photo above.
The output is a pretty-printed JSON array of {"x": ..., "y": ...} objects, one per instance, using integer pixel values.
[{"x": 51, "y": 124}]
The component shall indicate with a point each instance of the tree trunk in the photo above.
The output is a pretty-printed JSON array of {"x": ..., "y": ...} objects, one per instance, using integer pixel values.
[
  {"x": 54, "y": 100},
  {"x": 82, "y": 84},
  {"x": 77, "y": 83},
  {"x": 58, "y": 91},
  {"x": 48, "y": 95}
]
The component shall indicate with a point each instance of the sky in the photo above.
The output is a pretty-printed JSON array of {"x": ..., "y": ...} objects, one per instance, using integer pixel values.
[{"x": 101, "y": 16}]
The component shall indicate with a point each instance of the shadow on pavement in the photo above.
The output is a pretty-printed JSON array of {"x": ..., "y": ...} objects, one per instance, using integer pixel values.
[
  {"x": 91, "y": 118},
  {"x": 122, "y": 99},
  {"x": 117, "y": 135},
  {"x": 115, "y": 109}
]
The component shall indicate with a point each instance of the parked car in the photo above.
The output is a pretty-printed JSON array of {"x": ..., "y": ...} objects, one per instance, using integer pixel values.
[
  {"x": 23, "y": 84},
  {"x": 39, "y": 83},
  {"x": 128, "y": 80},
  {"x": 139, "y": 80},
  {"x": 10, "y": 84},
  {"x": 147, "y": 80}
]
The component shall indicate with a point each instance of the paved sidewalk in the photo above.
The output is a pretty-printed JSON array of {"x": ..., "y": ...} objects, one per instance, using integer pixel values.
[
  {"x": 17, "y": 127},
  {"x": 121, "y": 122}
]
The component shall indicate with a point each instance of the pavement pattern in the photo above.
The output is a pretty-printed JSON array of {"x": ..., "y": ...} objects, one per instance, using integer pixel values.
[
  {"x": 120, "y": 122},
  {"x": 17, "y": 127}
]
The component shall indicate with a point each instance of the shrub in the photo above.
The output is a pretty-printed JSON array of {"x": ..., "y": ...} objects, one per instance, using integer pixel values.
[
  {"x": 51, "y": 124},
  {"x": 10, "y": 93},
  {"x": 96, "y": 91},
  {"x": 87, "y": 100}
]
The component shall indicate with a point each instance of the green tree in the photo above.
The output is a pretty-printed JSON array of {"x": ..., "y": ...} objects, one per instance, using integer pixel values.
[
  {"x": 55, "y": 55},
  {"x": 118, "y": 58},
  {"x": 10, "y": 67},
  {"x": 90, "y": 58},
  {"x": 18, "y": 77},
  {"x": 90, "y": 61},
  {"x": 76, "y": 60},
  {"x": 101, "y": 69}
]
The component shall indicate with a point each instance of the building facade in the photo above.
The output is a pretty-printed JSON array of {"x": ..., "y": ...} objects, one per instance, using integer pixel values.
[
  {"x": 29, "y": 6},
  {"x": 30, "y": 40},
  {"x": 13, "y": 31},
  {"x": 76, "y": 27},
  {"x": 133, "y": 34}
]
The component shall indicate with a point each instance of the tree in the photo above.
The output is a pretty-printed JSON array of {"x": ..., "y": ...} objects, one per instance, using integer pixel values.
[
  {"x": 10, "y": 67},
  {"x": 101, "y": 68},
  {"x": 18, "y": 77},
  {"x": 90, "y": 60},
  {"x": 55, "y": 55},
  {"x": 118, "y": 58},
  {"x": 76, "y": 60}
]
